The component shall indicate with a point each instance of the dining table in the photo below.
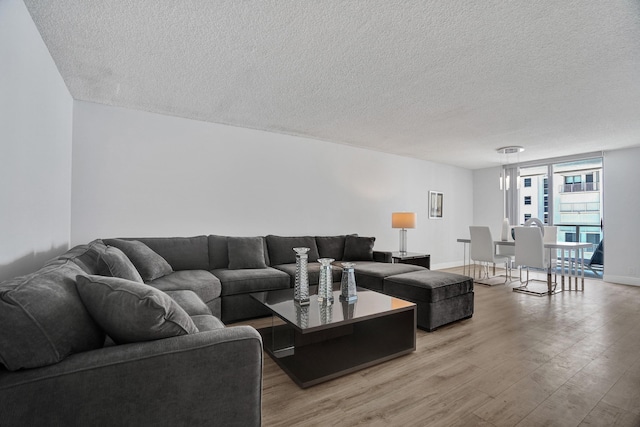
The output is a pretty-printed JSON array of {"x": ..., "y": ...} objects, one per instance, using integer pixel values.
[{"x": 571, "y": 261}]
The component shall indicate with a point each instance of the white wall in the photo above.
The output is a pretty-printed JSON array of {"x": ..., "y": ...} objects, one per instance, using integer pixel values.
[
  {"x": 144, "y": 174},
  {"x": 488, "y": 200},
  {"x": 35, "y": 147},
  {"x": 621, "y": 208}
]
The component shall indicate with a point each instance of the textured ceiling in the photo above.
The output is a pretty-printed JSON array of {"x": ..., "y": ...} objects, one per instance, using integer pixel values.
[{"x": 448, "y": 81}]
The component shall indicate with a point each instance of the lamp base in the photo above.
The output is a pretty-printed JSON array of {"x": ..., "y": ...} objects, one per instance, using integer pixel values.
[{"x": 403, "y": 240}]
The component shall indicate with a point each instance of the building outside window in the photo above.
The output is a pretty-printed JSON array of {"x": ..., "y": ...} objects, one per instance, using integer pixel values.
[{"x": 567, "y": 195}]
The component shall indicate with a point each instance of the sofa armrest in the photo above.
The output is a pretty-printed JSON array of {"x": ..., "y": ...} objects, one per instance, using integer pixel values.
[
  {"x": 382, "y": 256},
  {"x": 208, "y": 378}
]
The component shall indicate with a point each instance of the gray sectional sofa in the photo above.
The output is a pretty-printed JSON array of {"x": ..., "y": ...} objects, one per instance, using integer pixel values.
[{"x": 131, "y": 331}]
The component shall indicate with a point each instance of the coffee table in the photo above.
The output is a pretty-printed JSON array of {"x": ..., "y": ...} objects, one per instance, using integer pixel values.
[{"x": 319, "y": 342}]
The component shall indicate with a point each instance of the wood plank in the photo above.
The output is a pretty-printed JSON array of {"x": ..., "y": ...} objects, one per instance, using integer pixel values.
[{"x": 569, "y": 359}]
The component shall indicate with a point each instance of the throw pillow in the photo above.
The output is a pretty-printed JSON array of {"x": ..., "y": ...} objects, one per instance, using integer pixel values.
[
  {"x": 182, "y": 253},
  {"x": 85, "y": 256},
  {"x": 149, "y": 264},
  {"x": 281, "y": 248},
  {"x": 331, "y": 246},
  {"x": 132, "y": 312},
  {"x": 113, "y": 262},
  {"x": 43, "y": 318},
  {"x": 358, "y": 248},
  {"x": 246, "y": 252}
]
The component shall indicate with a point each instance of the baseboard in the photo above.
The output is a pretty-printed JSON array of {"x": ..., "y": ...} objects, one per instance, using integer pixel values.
[
  {"x": 443, "y": 265},
  {"x": 622, "y": 280}
]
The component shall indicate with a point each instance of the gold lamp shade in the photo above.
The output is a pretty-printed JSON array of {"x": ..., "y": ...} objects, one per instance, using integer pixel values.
[{"x": 403, "y": 220}]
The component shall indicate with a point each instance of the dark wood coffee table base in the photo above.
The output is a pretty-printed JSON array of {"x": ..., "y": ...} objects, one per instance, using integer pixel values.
[{"x": 315, "y": 357}]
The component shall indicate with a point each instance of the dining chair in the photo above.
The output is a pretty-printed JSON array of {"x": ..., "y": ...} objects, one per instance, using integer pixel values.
[
  {"x": 483, "y": 251},
  {"x": 551, "y": 236},
  {"x": 530, "y": 253},
  {"x": 507, "y": 250},
  {"x": 596, "y": 262}
]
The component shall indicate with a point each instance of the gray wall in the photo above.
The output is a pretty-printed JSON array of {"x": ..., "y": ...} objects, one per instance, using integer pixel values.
[
  {"x": 145, "y": 174},
  {"x": 35, "y": 147}
]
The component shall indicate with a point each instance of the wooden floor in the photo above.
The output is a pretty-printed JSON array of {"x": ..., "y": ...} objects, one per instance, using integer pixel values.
[{"x": 572, "y": 359}]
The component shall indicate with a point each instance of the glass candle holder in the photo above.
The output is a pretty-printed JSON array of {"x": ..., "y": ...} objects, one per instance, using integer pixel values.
[
  {"x": 301, "y": 286},
  {"x": 325, "y": 282},
  {"x": 348, "y": 283}
]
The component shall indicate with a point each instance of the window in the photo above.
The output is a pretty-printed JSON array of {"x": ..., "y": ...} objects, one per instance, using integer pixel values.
[
  {"x": 527, "y": 182},
  {"x": 593, "y": 238},
  {"x": 576, "y": 179},
  {"x": 568, "y": 195}
]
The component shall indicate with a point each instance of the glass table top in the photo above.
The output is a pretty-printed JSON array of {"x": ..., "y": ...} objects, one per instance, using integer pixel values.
[{"x": 317, "y": 315}]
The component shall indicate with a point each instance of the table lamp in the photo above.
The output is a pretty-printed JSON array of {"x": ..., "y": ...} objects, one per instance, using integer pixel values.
[{"x": 403, "y": 220}]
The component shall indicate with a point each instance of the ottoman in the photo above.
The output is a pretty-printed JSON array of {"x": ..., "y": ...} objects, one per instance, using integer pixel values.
[
  {"x": 371, "y": 275},
  {"x": 440, "y": 297}
]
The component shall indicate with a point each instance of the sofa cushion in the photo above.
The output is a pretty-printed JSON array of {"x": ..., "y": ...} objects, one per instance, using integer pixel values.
[
  {"x": 371, "y": 274},
  {"x": 190, "y": 302},
  {"x": 149, "y": 264},
  {"x": 253, "y": 280},
  {"x": 133, "y": 312},
  {"x": 207, "y": 322},
  {"x": 358, "y": 248},
  {"x": 114, "y": 263},
  {"x": 182, "y": 253},
  {"x": 203, "y": 283},
  {"x": 218, "y": 252},
  {"x": 427, "y": 285},
  {"x": 331, "y": 246},
  {"x": 43, "y": 318},
  {"x": 281, "y": 248},
  {"x": 86, "y": 256},
  {"x": 246, "y": 252}
]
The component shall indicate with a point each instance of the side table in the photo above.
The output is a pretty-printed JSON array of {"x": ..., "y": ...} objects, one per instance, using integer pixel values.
[{"x": 415, "y": 258}]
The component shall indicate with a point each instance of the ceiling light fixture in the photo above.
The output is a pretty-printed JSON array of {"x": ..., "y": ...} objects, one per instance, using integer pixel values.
[
  {"x": 505, "y": 179},
  {"x": 511, "y": 149}
]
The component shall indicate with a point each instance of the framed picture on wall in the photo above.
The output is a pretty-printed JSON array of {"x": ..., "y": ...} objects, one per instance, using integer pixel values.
[{"x": 435, "y": 205}]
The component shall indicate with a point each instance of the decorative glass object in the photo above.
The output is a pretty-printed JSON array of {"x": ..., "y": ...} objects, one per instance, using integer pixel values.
[
  {"x": 326, "y": 312},
  {"x": 301, "y": 287},
  {"x": 348, "y": 309},
  {"x": 505, "y": 230},
  {"x": 325, "y": 282},
  {"x": 348, "y": 283},
  {"x": 302, "y": 315}
]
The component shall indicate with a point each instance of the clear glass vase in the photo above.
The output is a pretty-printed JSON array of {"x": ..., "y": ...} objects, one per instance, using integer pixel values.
[
  {"x": 302, "y": 315},
  {"x": 301, "y": 286},
  {"x": 325, "y": 282},
  {"x": 348, "y": 308},
  {"x": 325, "y": 310},
  {"x": 348, "y": 283}
]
